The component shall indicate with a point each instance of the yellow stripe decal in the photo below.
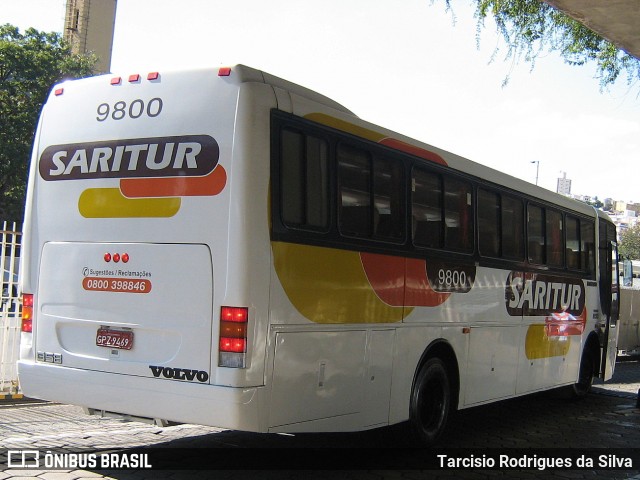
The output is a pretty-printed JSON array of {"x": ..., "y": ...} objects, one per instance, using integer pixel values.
[
  {"x": 329, "y": 285},
  {"x": 539, "y": 345},
  {"x": 110, "y": 203},
  {"x": 345, "y": 126}
]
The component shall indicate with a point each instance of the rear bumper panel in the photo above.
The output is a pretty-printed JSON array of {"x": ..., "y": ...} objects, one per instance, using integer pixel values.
[{"x": 224, "y": 407}]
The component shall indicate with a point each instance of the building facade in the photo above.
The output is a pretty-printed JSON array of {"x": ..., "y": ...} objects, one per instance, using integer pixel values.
[
  {"x": 88, "y": 27},
  {"x": 564, "y": 185}
]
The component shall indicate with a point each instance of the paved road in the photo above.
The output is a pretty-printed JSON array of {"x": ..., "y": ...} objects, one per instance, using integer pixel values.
[{"x": 608, "y": 419}]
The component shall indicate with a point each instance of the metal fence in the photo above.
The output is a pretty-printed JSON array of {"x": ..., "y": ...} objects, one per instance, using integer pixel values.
[{"x": 10, "y": 309}]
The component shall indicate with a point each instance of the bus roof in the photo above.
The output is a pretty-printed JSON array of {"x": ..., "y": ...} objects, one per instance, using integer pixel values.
[{"x": 246, "y": 74}]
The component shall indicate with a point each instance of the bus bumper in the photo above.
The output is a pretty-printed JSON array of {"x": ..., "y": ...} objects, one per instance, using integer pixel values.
[{"x": 168, "y": 400}]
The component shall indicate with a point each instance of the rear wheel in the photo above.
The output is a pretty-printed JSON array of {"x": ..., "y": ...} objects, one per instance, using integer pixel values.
[{"x": 430, "y": 402}]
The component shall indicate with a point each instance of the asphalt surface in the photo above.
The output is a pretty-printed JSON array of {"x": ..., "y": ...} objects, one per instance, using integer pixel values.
[{"x": 604, "y": 427}]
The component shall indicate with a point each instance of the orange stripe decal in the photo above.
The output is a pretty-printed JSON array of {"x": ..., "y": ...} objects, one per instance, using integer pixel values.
[
  {"x": 345, "y": 126},
  {"x": 386, "y": 276},
  {"x": 209, "y": 185},
  {"x": 413, "y": 150},
  {"x": 374, "y": 136}
]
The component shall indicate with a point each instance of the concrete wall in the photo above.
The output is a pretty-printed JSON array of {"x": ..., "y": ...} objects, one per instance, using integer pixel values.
[{"x": 629, "y": 324}]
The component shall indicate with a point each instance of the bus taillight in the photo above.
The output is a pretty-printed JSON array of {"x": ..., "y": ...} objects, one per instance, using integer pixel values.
[
  {"x": 27, "y": 313},
  {"x": 233, "y": 336}
]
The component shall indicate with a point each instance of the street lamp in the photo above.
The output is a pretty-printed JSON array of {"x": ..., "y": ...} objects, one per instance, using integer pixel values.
[{"x": 537, "y": 162}]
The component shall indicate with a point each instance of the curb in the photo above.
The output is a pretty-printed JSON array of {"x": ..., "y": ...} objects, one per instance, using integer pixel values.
[{"x": 11, "y": 396}]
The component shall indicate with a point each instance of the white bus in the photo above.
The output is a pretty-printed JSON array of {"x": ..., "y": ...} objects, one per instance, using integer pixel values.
[{"x": 227, "y": 248}]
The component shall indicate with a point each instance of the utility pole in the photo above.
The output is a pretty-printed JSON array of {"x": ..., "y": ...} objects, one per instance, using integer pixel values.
[{"x": 537, "y": 162}]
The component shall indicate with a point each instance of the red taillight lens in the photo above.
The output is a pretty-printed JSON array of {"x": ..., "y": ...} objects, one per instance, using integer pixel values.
[
  {"x": 27, "y": 312},
  {"x": 233, "y": 336},
  {"x": 233, "y": 345},
  {"x": 234, "y": 314},
  {"x": 233, "y": 329}
]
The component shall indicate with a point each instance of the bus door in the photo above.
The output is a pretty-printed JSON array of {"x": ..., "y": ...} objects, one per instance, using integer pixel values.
[{"x": 609, "y": 298}]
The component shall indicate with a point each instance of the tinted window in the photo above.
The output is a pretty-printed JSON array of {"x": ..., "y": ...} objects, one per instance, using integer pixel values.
[
  {"x": 588, "y": 245},
  {"x": 535, "y": 234},
  {"x": 554, "y": 238},
  {"x": 427, "y": 209},
  {"x": 305, "y": 181},
  {"x": 573, "y": 243},
  {"x": 354, "y": 195},
  {"x": 512, "y": 228},
  {"x": 388, "y": 189},
  {"x": 489, "y": 223},
  {"x": 458, "y": 215}
]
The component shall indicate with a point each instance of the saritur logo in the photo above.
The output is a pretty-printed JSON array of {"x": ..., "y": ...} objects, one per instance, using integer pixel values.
[
  {"x": 151, "y": 175},
  {"x": 192, "y": 156}
]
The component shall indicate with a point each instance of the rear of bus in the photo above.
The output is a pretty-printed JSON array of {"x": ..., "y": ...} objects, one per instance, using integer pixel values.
[{"x": 146, "y": 258}]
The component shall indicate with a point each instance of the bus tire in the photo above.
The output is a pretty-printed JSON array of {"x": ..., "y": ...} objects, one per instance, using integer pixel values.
[
  {"x": 430, "y": 402},
  {"x": 588, "y": 365}
]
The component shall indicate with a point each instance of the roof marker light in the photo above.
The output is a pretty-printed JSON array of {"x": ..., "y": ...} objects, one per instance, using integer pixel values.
[
  {"x": 59, "y": 91},
  {"x": 224, "y": 71},
  {"x": 134, "y": 78},
  {"x": 116, "y": 80},
  {"x": 153, "y": 76}
]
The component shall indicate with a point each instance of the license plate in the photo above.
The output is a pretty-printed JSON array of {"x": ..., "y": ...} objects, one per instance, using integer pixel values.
[{"x": 122, "y": 339}]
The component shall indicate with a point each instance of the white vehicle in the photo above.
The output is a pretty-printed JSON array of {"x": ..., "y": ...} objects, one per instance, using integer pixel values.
[{"x": 224, "y": 247}]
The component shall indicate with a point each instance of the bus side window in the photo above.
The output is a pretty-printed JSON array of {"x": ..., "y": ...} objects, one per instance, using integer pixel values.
[
  {"x": 512, "y": 228},
  {"x": 388, "y": 190},
  {"x": 535, "y": 234},
  {"x": 354, "y": 191},
  {"x": 458, "y": 212},
  {"x": 554, "y": 238},
  {"x": 588, "y": 246},
  {"x": 573, "y": 243},
  {"x": 426, "y": 199},
  {"x": 304, "y": 174},
  {"x": 489, "y": 223}
]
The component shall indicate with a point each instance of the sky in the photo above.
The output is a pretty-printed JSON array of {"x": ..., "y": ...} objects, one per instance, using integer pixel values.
[{"x": 410, "y": 66}]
